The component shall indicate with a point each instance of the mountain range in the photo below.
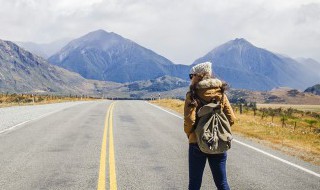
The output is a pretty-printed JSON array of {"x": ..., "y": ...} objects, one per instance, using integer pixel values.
[
  {"x": 106, "y": 56},
  {"x": 101, "y": 55},
  {"x": 24, "y": 72}
]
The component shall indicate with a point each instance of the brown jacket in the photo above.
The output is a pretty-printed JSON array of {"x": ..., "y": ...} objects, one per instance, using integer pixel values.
[{"x": 207, "y": 90}]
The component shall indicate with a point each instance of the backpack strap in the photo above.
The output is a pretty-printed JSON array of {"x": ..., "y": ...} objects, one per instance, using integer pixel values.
[
  {"x": 203, "y": 102},
  {"x": 221, "y": 101}
]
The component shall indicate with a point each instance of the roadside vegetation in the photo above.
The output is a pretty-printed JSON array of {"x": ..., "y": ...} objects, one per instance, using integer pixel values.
[
  {"x": 311, "y": 108},
  {"x": 293, "y": 131},
  {"x": 7, "y": 100}
]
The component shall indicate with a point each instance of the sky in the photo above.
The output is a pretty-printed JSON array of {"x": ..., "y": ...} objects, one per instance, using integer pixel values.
[{"x": 180, "y": 30}]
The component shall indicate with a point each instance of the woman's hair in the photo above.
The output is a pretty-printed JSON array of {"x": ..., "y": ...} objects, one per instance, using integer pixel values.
[
  {"x": 224, "y": 87},
  {"x": 194, "y": 99},
  {"x": 193, "y": 95}
]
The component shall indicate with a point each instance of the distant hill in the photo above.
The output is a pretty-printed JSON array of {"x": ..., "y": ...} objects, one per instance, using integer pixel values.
[
  {"x": 275, "y": 96},
  {"x": 101, "y": 55},
  {"x": 309, "y": 62},
  {"x": 44, "y": 50},
  {"x": 246, "y": 66},
  {"x": 314, "y": 89},
  {"x": 160, "y": 84},
  {"x": 24, "y": 72},
  {"x": 167, "y": 86}
]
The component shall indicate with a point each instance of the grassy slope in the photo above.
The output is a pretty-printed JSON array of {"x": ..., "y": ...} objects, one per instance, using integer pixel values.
[{"x": 300, "y": 141}]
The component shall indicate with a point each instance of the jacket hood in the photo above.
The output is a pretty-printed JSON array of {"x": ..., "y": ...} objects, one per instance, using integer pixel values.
[{"x": 209, "y": 83}]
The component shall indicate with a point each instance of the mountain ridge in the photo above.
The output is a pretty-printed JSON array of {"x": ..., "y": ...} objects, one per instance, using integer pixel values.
[
  {"x": 246, "y": 66},
  {"x": 24, "y": 72},
  {"x": 108, "y": 56},
  {"x": 44, "y": 50}
]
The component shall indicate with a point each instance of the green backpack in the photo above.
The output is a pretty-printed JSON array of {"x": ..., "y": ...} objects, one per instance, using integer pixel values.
[{"x": 213, "y": 129}]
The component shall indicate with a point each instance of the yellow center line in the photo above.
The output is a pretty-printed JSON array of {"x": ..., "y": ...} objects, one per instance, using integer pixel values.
[
  {"x": 103, "y": 156},
  {"x": 112, "y": 164}
]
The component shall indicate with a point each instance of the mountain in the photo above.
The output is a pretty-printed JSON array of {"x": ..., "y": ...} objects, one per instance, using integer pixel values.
[
  {"x": 24, "y": 72},
  {"x": 311, "y": 66},
  {"x": 308, "y": 61},
  {"x": 101, "y": 55},
  {"x": 246, "y": 66},
  {"x": 44, "y": 50},
  {"x": 314, "y": 89}
]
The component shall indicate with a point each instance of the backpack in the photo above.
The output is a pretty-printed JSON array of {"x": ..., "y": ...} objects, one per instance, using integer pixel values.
[{"x": 213, "y": 129}]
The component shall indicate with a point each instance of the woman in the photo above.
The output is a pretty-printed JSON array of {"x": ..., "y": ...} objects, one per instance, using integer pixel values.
[{"x": 207, "y": 88}]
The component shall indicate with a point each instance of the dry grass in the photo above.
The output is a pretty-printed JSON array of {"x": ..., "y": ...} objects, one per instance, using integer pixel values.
[
  {"x": 297, "y": 141},
  {"x": 313, "y": 108},
  {"x": 8, "y": 100},
  {"x": 173, "y": 104},
  {"x": 300, "y": 140}
]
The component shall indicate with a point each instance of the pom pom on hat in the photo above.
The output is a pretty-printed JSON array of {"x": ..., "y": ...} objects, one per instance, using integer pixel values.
[{"x": 201, "y": 68}]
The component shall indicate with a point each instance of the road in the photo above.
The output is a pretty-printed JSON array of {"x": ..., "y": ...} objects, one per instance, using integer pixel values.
[{"x": 130, "y": 145}]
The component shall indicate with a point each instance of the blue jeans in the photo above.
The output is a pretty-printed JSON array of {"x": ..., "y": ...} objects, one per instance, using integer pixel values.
[{"x": 197, "y": 162}]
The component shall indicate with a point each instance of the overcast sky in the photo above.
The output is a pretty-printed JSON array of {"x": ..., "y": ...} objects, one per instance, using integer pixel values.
[{"x": 180, "y": 30}]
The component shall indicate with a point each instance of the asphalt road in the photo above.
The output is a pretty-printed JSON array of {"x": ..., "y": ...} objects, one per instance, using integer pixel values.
[{"x": 65, "y": 149}]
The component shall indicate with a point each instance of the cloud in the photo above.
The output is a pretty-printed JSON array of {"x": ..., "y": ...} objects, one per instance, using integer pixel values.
[{"x": 179, "y": 30}]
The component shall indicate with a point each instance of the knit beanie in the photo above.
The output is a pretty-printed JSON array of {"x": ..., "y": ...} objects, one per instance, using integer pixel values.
[{"x": 201, "y": 68}]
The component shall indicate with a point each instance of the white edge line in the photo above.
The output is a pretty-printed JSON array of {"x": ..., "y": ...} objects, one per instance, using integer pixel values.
[
  {"x": 44, "y": 115},
  {"x": 17, "y": 125},
  {"x": 164, "y": 110},
  {"x": 254, "y": 148},
  {"x": 277, "y": 158}
]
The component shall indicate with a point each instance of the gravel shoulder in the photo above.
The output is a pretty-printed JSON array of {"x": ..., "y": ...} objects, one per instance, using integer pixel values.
[{"x": 12, "y": 116}]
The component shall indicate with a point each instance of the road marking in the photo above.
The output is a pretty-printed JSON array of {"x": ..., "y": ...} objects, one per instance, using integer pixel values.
[
  {"x": 17, "y": 125},
  {"x": 103, "y": 156},
  {"x": 164, "y": 110},
  {"x": 254, "y": 148},
  {"x": 277, "y": 158},
  {"x": 112, "y": 164}
]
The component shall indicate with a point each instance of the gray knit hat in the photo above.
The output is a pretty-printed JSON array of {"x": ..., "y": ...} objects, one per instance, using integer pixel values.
[{"x": 201, "y": 68}]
